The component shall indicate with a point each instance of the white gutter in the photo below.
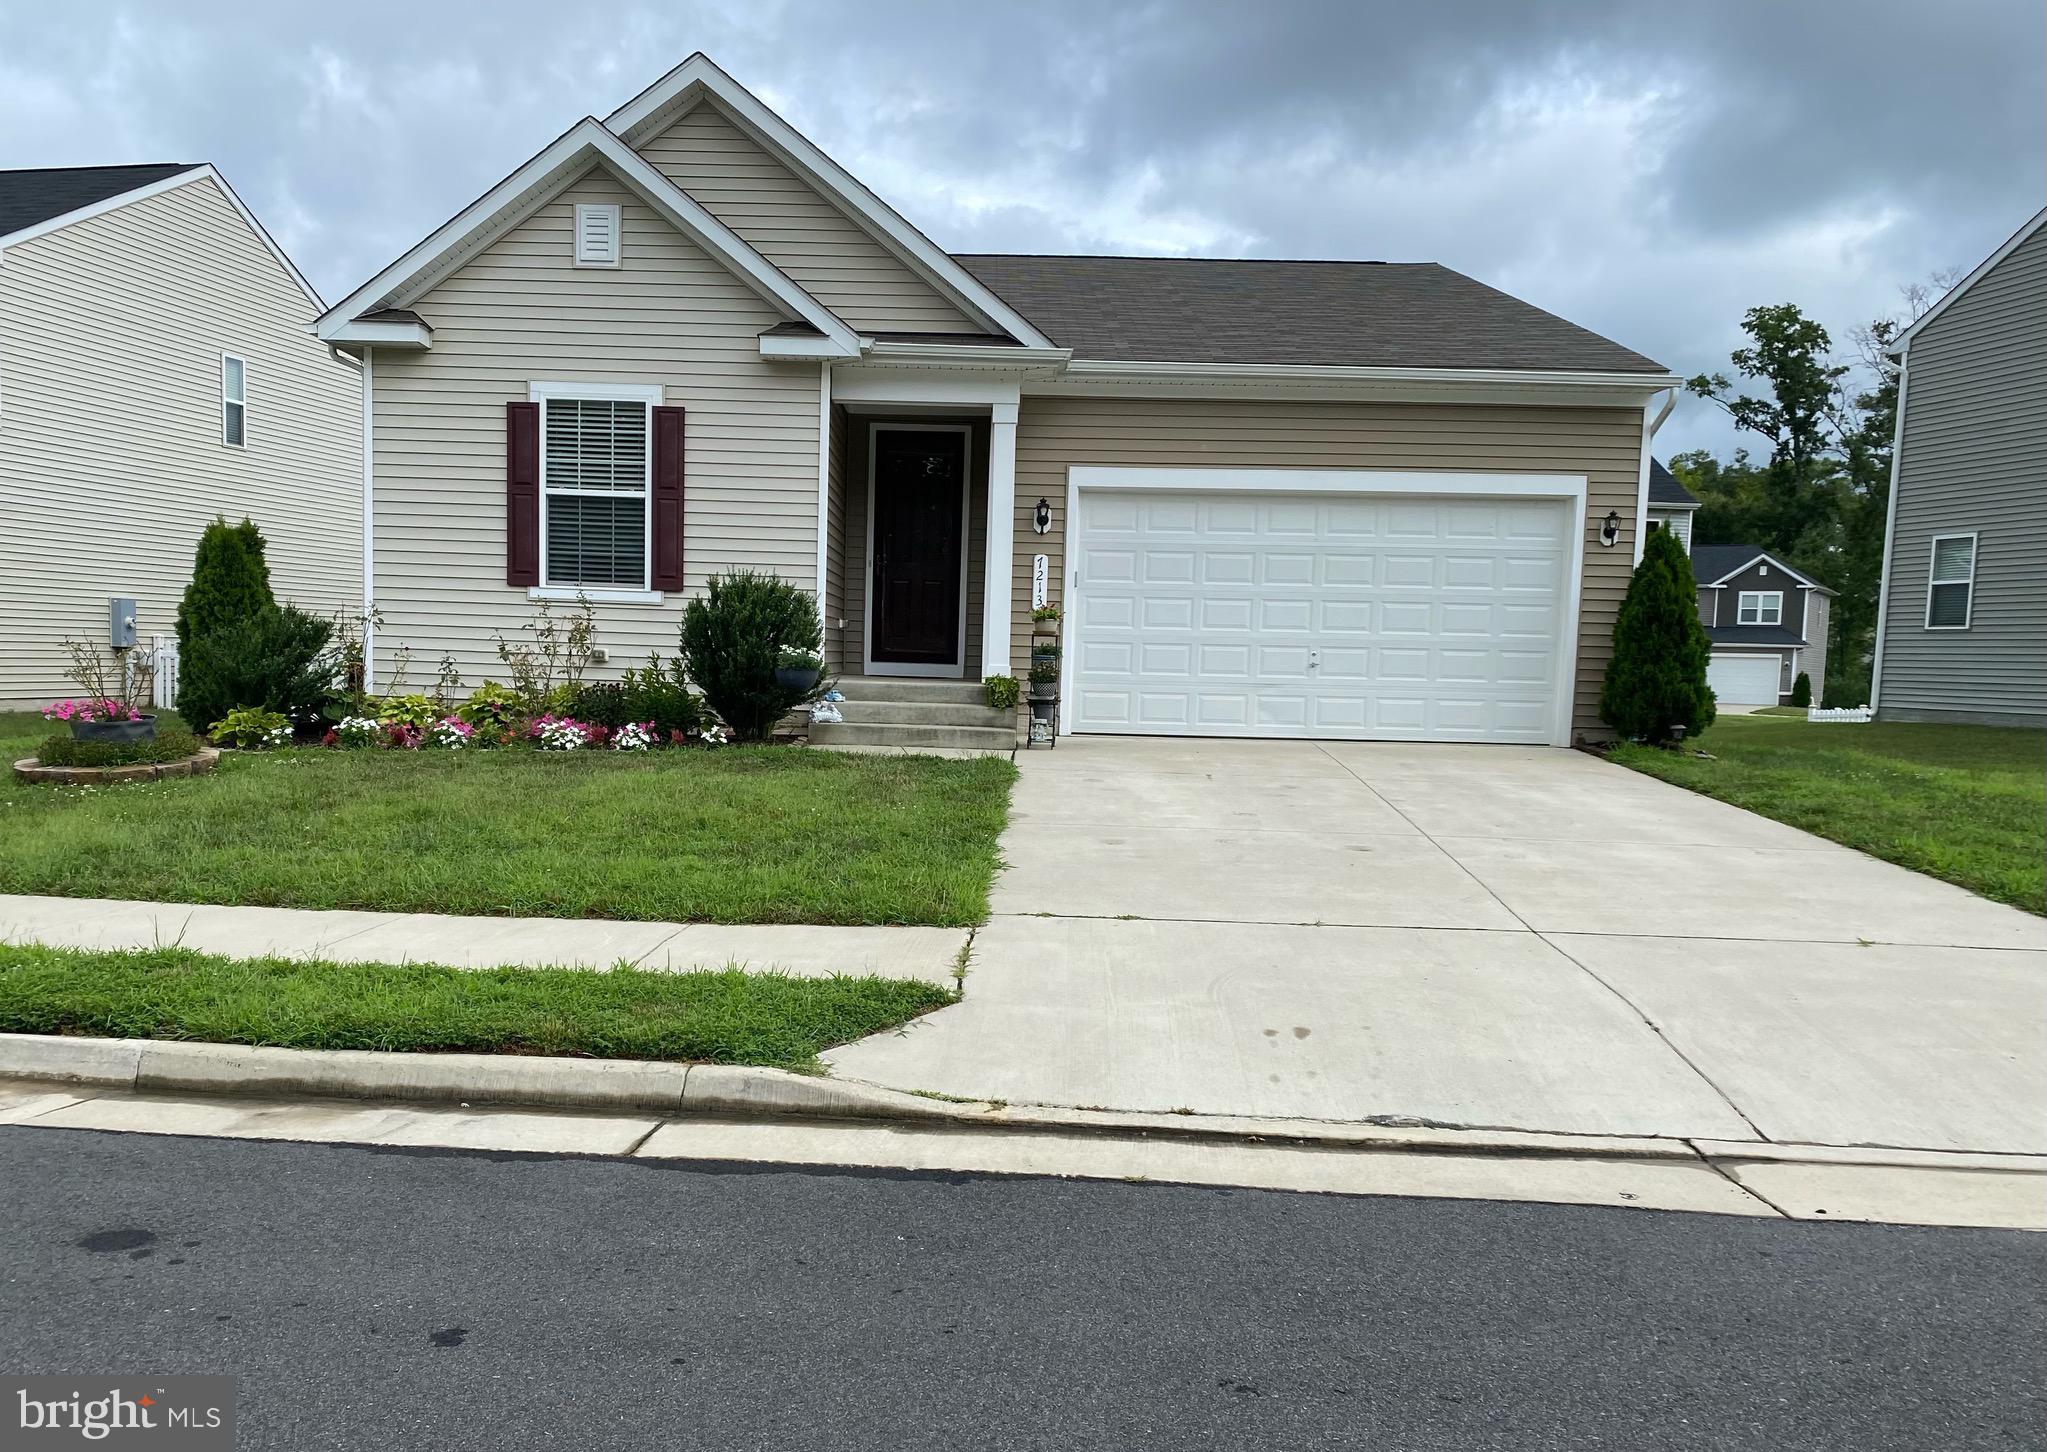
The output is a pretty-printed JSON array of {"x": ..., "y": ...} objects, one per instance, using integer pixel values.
[
  {"x": 1330, "y": 373},
  {"x": 1642, "y": 485},
  {"x": 1883, "y": 592},
  {"x": 978, "y": 355},
  {"x": 369, "y": 540}
]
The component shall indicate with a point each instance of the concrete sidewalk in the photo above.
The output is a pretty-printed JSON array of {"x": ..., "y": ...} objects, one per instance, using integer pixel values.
[{"x": 930, "y": 954}]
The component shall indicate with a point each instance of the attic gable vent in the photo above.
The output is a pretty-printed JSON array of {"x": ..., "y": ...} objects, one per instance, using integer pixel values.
[{"x": 597, "y": 234}]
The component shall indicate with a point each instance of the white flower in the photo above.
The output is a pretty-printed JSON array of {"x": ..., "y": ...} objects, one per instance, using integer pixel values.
[{"x": 633, "y": 736}]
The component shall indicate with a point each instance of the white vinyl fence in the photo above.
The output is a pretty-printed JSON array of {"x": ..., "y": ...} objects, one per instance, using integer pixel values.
[
  {"x": 163, "y": 655},
  {"x": 1840, "y": 713}
]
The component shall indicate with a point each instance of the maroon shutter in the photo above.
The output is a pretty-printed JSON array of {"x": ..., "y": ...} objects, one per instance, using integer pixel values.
[
  {"x": 667, "y": 499},
  {"x": 522, "y": 494}
]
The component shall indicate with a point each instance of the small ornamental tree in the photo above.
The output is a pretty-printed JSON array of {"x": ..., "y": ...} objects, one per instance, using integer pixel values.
[
  {"x": 733, "y": 638},
  {"x": 1656, "y": 680},
  {"x": 1801, "y": 690},
  {"x": 230, "y": 581}
]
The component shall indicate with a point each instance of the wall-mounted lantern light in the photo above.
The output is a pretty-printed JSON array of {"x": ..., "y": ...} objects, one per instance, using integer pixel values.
[
  {"x": 1042, "y": 520},
  {"x": 1610, "y": 529}
]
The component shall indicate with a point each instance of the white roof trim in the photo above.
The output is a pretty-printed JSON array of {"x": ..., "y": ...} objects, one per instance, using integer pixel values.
[
  {"x": 1656, "y": 508},
  {"x": 385, "y": 334},
  {"x": 636, "y": 118},
  {"x": 2011, "y": 244},
  {"x": 1765, "y": 555},
  {"x": 202, "y": 171},
  {"x": 544, "y": 177},
  {"x": 1648, "y": 383},
  {"x": 978, "y": 355}
]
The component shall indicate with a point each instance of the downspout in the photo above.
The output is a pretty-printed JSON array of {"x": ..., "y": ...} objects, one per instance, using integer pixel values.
[
  {"x": 1883, "y": 590},
  {"x": 369, "y": 538},
  {"x": 824, "y": 479},
  {"x": 1642, "y": 484}
]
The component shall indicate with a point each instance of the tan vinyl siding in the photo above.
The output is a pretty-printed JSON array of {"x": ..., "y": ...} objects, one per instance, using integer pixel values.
[
  {"x": 111, "y": 460},
  {"x": 858, "y": 565},
  {"x": 800, "y": 231},
  {"x": 520, "y": 312},
  {"x": 1974, "y": 459},
  {"x": 1055, "y": 434}
]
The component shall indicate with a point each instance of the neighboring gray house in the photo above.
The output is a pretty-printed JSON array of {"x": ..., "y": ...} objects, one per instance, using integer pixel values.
[
  {"x": 157, "y": 368},
  {"x": 1767, "y": 622},
  {"x": 1671, "y": 505},
  {"x": 1962, "y": 623}
]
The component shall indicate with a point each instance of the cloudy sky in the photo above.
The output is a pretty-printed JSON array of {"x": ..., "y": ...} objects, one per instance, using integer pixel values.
[{"x": 1646, "y": 170}]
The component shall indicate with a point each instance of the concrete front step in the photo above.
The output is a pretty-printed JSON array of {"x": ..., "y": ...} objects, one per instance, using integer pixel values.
[
  {"x": 923, "y": 713},
  {"x": 908, "y": 688},
  {"x": 972, "y": 738}
]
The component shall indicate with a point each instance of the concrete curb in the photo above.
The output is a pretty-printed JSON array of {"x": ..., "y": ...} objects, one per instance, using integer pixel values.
[{"x": 152, "y": 1066}]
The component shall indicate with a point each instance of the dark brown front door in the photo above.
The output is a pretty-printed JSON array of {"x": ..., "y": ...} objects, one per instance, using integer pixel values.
[{"x": 919, "y": 493}]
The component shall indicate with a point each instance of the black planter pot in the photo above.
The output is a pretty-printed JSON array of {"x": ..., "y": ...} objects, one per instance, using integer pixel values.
[
  {"x": 793, "y": 678},
  {"x": 1044, "y": 690},
  {"x": 122, "y": 733}
]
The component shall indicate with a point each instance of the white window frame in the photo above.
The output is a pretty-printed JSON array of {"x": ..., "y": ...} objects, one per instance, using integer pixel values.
[
  {"x": 1742, "y": 597},
  {"x": 617, "y": 258},
  {"x": 227, "y": 400},
  {"x": 1969, "y": 602},
  {"x": 652, "y": 396}
]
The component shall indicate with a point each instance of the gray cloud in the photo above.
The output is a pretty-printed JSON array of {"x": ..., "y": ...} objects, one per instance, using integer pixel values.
[{"x": 1647, "y": 171}]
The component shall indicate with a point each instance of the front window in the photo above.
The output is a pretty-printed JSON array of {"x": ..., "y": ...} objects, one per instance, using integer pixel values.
[
  {"x": 234, "y": 400},
  {"x": 1760, "y": 607},
  {"x": 594, "y": 465},
  {"x": 1951, "y": 584}
]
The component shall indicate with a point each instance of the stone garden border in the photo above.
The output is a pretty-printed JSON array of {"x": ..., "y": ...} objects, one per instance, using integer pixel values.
[{"x": 29, "y": 769}]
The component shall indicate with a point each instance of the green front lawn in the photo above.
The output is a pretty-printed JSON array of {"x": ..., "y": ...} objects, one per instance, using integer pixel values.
[
  {"x": 732, "y": 835},
  {"x": 725, "y": 1017},
  {"x": 1964, "y": 803}
]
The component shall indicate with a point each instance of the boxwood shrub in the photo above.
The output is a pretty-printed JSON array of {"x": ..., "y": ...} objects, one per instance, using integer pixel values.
[{"x": 169, "y": 745}]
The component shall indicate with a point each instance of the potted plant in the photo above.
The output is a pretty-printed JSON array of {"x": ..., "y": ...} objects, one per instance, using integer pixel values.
[
  {"x": 114, "y": 692},
  {"x": 798, "y": 670},
  {"x": 1045, "y": 679},
  {"x": 1045, "y": 620}
]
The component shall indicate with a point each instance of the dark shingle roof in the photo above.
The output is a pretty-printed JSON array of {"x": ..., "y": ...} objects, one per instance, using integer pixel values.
[
  {"x": 1343, "y": 314},
  {"x": 29, "y": 197},
  {"x": 1664, "y": 488},
  {"x": 1753, "y": 635},
  {"x": 1717, "y": 562}
]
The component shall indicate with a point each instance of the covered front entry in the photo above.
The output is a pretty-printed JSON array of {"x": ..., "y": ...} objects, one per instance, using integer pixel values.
[{"x": 1293, "y": 603}]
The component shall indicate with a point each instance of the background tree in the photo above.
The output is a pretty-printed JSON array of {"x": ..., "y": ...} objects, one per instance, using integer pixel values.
[{"x": 1656, "y": 680}]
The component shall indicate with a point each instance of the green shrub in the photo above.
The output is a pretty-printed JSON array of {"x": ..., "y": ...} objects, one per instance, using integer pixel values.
[
  {"x": 656, "y": 693},
  {"x": 732, "y": 640},
  {"x": 490, "y": 705},
  {"x": 1003, "y": 692},
  {"x": 1801, "y": 690},
  {"x": 1656, "y": 680},
  {"x": 277, "y": 660},
  {"x": 415, "y": 710},
  {"x": 230, "y": 581},
  {"x": 251, "y": 727},
  {"x": 169, "y": 745}
]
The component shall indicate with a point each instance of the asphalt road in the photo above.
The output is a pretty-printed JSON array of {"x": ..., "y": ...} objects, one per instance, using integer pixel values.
[{"x": 372, "y": 1299}]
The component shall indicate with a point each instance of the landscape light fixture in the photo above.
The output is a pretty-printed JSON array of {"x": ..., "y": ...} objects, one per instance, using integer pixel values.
[{"x": 1610, "y": 529}]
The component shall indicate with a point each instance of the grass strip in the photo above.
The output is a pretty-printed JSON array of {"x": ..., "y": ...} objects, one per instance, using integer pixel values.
[{"x": 720, "y": 1017}]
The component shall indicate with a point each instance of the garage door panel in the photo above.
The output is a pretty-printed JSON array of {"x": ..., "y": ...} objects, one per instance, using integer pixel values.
[
  {"x": 1744, "y": 680},
  {"x": 1407, "y": 618}
]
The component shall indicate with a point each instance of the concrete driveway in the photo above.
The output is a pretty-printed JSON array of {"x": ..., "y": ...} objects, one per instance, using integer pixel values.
[{"x": 1515, "y": 937}]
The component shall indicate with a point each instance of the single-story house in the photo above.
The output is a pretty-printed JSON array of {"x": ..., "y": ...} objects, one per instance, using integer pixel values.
[
  {"x": 1293, "y": 499},
  {"x": 1962, "y": 620},
  {"x": 157, "y": 368},
  {"x": 1767, "y": 622}
]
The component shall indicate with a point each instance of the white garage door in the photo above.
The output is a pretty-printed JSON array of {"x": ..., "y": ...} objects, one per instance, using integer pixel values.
[
  {"x": 1319, "y": 615},
  {"x": 1743, "y": 680}
]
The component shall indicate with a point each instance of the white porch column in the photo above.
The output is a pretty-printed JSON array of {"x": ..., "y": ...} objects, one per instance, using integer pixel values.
[{"x": 998, "y": 574}]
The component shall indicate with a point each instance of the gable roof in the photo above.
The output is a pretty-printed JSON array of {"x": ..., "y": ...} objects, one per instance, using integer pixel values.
[
  {"x": 1754, "y": 635},
  {"x": 558, "y": 165},
  {"x": 1716, "y": 564},
  {"x": 1664, "y": 489},
  {"x": 2011, "y": 245},
  {"x": 654, "y": 108},
  {"x": 1338, "y": 314},
  {"x": 42, "y": 194}
]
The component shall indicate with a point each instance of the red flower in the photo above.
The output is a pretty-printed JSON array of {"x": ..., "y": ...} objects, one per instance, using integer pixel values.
[{"x": 332, "y": 738}]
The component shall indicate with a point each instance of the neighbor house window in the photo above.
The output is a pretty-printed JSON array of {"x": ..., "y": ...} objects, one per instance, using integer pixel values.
[
  {"x": 234, "y": 400},
  {"x": 594, "y": 465},
  {"x": 597, "y": 234},
  {"x": 1951, "y": 585},
  {"x": 1759, "y": 607}
]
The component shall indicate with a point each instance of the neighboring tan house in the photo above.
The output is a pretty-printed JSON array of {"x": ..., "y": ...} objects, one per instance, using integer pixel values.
[
  {"x": 1767, "y": 622},
  {"x": 1962, "y": 620},
  {"x": 157, "y": 368},
  {"x": 1294, "y": 499}
]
